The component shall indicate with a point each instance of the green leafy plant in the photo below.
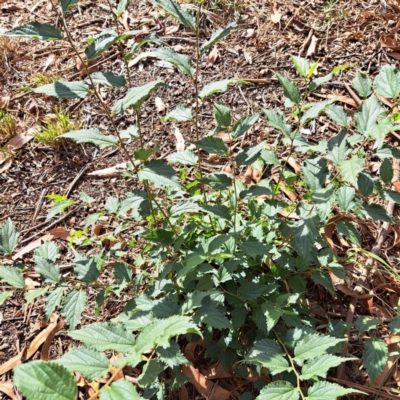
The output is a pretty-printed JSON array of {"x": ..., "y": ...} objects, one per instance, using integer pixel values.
[
  {"x": 226, "y": 263},
  {"x": 7, "y": 125}
]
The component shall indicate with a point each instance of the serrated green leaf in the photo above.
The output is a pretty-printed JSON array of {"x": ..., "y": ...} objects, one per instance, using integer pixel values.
[
  {"x": 290, "y": 90},
  {"x": 386, "y": 171},
  {"x": 315, "y": 173},
  {"x": 35, "y": 30},
  {"x": 338, "y": 148},
  {"x": 86, "y": 269},
  {"x": 73, "y": 305},
  {"x": 379, "y": 131},
  {"x": 315, "y": 110},
  {"x": 305, "y": 235},
  {"x": 328, "y": 391},
  {"x": 302, "y": 65},
  {"x": 183, "y": 207},
  {"x": 222, "y": 114},
  {"x": 131, "y": 132},
  {"x": 93, "y": 136},
  {"x": 88, "y": 362},
  {"x": 270, "y": 157},
  {"x": 112, "y": 205},
  {"x": 86, "y": 198},
  {"x": 365, "y": 183},
  {"x": 242, "y": 125},
  {"x": 279, "y": 390},
  {"x": 212, "y": 145},
  {"x": 376, "y": 212},
  {"x": 365, "y": 324},
  {"x": 66, "y": 4},
  {"x": 48, "y": 270},
  {"x": 32, "y": 294},
  {"x": 40, "y": 380},
  {"x": 387, "y": 82},
  {"x": 48, "y": 250},
  {"x": 173, "y": 8},
  {"x": 58, "y": 208},
  {"x": 319, "y": 366},
  {"x": 350, "y": 169},
  {"x": 272, "y": 314},
  {"x": 251, "y": 291},
  {"x": 250, "y": 154},
  {"x": 313, "y": 345},
  {"x": 375, "y": 357},
  {"x": 218, "y": 211},
  {"x": 180, "y": 61},
  {"x": 120, "y": 390},
  {"x": 4, "y": 296},
  {"x": 218, "y": 35},
  {"x": 316, "y": 83},
  {"x": 123, "y": 276},
  {"x": 253, "y": 248},
  {"x": 181, "y": 114},
  {"x": 184, "y": 157},
  {"x": 172, "y": 355},
  {"x": 53, "y": 300},
  {"x": 150, "y": 372},
  {"x": 367, "y": 114},
  {"x": 8, "y": 237},
  {"x": 159, "y": 174},
  {"x": 64, "y": 90},
  {"x": 394, "y": 326},
  {"x": 218, "y": 180},
  {"x": 391, "y": 195},
  {"x": 12, "y": 276},
  {"x": 362, "y": 84},
  {"x": 217, "y": 87},
  {"x": 136, "y": 96},
  {"x": 213, "y": 316},
  {"x": 338, "y": 114},
  {"x": 348, "y": 231},
  {"x": 107, "y": 79},
  {"x": 105, "y": 336},
  {"x": 276, "y": 118},
  {"x": 92, "y": 219},
  {"x": 270, "y": 355},
  {"x": 101, "y": 43}
]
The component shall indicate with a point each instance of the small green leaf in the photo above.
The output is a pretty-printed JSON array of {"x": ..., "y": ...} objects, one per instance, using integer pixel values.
[
  {"x": 88, "y": 362},
  {"x": 86, "y": 270},
  {"x": 302, "y": 65},
  {"x": 73, "y": 305},
  {"x": 53, "y": 300},
  {"x": 367, "y": 115},
  {"x": 4, "y": 296},
  {"x": 253, "y": 248},
  {"x": 112, "y": 205},
  {"x": 48, "y": 250},
  {"x": 180, "y": 61},
  {"x": 107, "y": 79},
  {"x": 222, "y": 114},
  {"x": 217, "y": 87},
  {"x": 316, "y": 83},
  {"x": 218, "y": 35},
  {"x": 173, "y": 8},
  {"x": 337, "y": 148},
  {"x": 250, "y": 154},
  {"x": 339, "y": 115},
  {"x": 66, "y": 4},
  {"x": 101, "y": 43},
  {"x": 347, "y": 230},
  {"x": 350, "y": 169},
  {"x": 279, "y": 390},
  {"x": 86, "y": 198},
  {"x": 181, "y": 114},
  {"x": 122, "y": 7},
  {"x": 365, "y": 324},
  {"x": 365, "y": 183},
  {"x": 391, "y": 195},
  {"x": 58, "y": 208},
  {"x": 120, "y": 390},
  {"x": 362, "y": 84},
  {"x": 290, "y": 90},
  {"x": 12, "y": 276},
  {"x": 328, "y": 391},
  {"x": 64, "y": 90},
  {"x": 35, "y": 30},
  {"x": 218, "y": 180},
  {"x": 33, "y": 294},
  {"x": 212, "y": 145},
  {"x": 313, "y": 345},
  {"x": 319, "y": 366},
  {"x": 93, "y": 136},
  {"x": 276, "y": 119},
  {"x": 376, "y": 212},
  {"x": 136, "y": 96},
  {"x": 48, "y": 270},
  {"x": 8, "y": 237},
  {"x": 159, "y": 173},
  {"x": 315, "y": 173},
  {"x": 315, "y": 110},
  {"x": 375, "y": 357},
  {"x": 387, "y": 82},
  {"x": 45, "y": 381},
  {"x": 185, "y": 157},
  {"x": 242, "y": 125},
  {"x": 386, "y": 171}
]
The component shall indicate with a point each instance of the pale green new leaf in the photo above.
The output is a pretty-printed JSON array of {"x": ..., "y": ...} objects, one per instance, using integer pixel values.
[
  {"x": 35, "y": 30},
  {"x": 180, "y": 61},
  {"x": 279, "y": 390},
  {"x": 375, "y": 357},
  {"x": 217, "y": 87},
  {"x": 242, "y": 125},
  {"x": 136, "y": 96},
  {"x": 313, "y": 345},
  {"x": 73, "y": 305},
  {"x": 323, "y": 390},
  {"x": 185, "y": 157},
  {"x": 290, "y": 90},
  {"x": 367, "y": 115},
  {"x": 218, "y": 35},
  {"x": 40, "y": 380},
  {"x": 4, "y": 296},
  {"x": 88, "y": 362},
  {"x": 32, "y": 294},
  {"x": 173, "y": 8},
  {"x": 350, "y": 169},
  {"x": 93, "y": 136},
  {"x": 387, "y": 82},
  {"x": 58, "y": 208},
  {"x": 319, "y": 366},
  {"x": 159, "y": 173},
  {"x": 302, "y": 65},
  {"x": 107, "y": 79},
  {"x": 64, "y": 90},
  {"x": 362, "y": 84},
  {"x": 12, "y": 276},
  {"x": 338, "y": 114},
  {"x": 66, "y": 4},
  {"x": 250, "y": 154},
  {"x": 120, "y": 390},
  {"x": 270, "y": 355},
  {"x": 8, "y": 237},
  {"x": 181, "y": 114}
]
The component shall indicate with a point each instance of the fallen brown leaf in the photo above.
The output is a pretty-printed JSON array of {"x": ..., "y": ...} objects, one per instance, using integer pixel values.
[
  {"x": 159, "y": 104},
  {"x": 275, "y": 14},
  {"x": 212, "y": 57},
  {"x": 32, "y": 245},
  {"x": 169, "y": 30},
  {"x": 7, "y": 388},
  {"x": 4, "y": 101},
  {"x": 225, "y": 136},
  {"x": 60, "y": 233},
  {"x": 313, "y": 47}
]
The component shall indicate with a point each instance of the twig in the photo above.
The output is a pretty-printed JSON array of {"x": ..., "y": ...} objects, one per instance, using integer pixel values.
[
  {"x": 353, "y": 94},
  {"x": 74, "y": 182},
  {"x": 39, "y": 205}
]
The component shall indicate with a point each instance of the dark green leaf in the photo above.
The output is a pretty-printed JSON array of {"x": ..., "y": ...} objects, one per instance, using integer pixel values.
[
  {"x": 338, "y": 148},
  {"x": 8, "y": 237},
  {"x": 101, "y": 43},
  {"x": 48, "y": 270},
  {"x": 249, "y": 154},
  {"x": 73, "y": 305},
  {"x": 375, "y": 357},
  {"x": 35, "y": 30},
  {"x": 365, "y": 324},
  {"x": 348, "y": 231},
  {"x": 212, "y": 145},
  {"x": 391, "y": 195},
  {"x": 218, "y": 35},
  {"x": 159, "y": 173},
  {"x": 386, "y": 171},
  {"x": 376, "y": 212},
  {"x": 53, "y": 300},
  {"x": 338, "y": 114},
  {"x": 107, "y": 79},
  {"x": 362, "y": 84},
  {"x": 365, "y": 183},
  {"x": 12, "y": 276},
  {"x": 244, "y": 124},
  {"x": 290, "y": 90},
  {"x": 173, "y": 8},
  {"x": 253, "y": 248},
  {"x": 315, "y": 173},
  {"x": 180, "y": 61},
  {"x": 222, "y": 114},
  {"x": 276, "y": 118},
  {"x": 86, "y": 269},
  {"x": 64, "y": 90},
  {"x": 218, "y": 180}
]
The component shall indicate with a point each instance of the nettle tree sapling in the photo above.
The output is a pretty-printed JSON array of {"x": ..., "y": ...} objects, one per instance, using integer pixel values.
[{"x": 225, "y": 266}]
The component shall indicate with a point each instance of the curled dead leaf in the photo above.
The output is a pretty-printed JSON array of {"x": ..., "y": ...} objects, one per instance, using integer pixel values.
[
  {"x": 212, "y": 57},
  {"x": 159, "y": 104}
]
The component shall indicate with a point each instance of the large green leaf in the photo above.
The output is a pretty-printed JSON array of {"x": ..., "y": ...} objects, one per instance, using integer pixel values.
[
  {"x": 8, "y": 237},
  {"x": 222, "y": 114},
  {"x": 244, "y": 124},
  {"x": 338, "y": 148},
  {"x": 107, "y": 79},
  {"x": 48, "y": 270},
  {"x": 120, "y": 390},
  {"x": 64, "y": 90},
  {"x": 279, "y": 390},
  {"x": 105, "y": 336},
  {"x": 66, "y": 4},
  {"x": 73, "y": 305},
  {"x": 362, "y": 84},
  {"x": 53, "y": 300},
  {"x": 40, "y": 380},
  {"x": 302, "y": 65},
  {"x": 319, "y": 366},
  {"x": 338, "y": 114},
  {"x": 35, "y": 30},
  {"x": 159, "y": 173},
  {"x": 313, "y": 345},
  {"x": 91, "y": 136},
  {"x": 376, "y": 212},
  {"x": 387, "y": 82},
  {"x": 315, "y": 110},
  {"x": 180, "y": 61},
  {"x": 173, "y": 8},
  {"x": 276, "y": 118},
  {"x": 136, "y": 96},
  {"x": 212, "y": 145},
  {"x": 350, "y": 169},
  {"x": 181, "y": 114},
  {"x": 218, "y": 35},
  {"x": 101, "y": 43},
  {"x": 315, "y": 173},
  {"x": 328, "y": 391},
  {"x": 367, "y": 115},
  {"x": 375, "y": 357},
  {"x": 86, "y": 270},
  {"x": 290, "y": 90},
  {"x": 217, "y": 87},
  {"x": 12, "y": 276},
  {"x": 88, "y": 362},
  {"x": 48, "y": 250},
  {"x": 185, "y": 157},
  {"x": 250, "y": 154}
]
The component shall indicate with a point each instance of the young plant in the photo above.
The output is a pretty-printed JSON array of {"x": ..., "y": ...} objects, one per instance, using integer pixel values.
[{"x": 7, "y": 125}]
